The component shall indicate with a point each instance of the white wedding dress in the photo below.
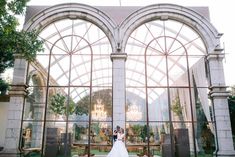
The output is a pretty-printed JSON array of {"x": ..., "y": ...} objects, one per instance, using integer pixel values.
[{"x": 119, "y": 148}]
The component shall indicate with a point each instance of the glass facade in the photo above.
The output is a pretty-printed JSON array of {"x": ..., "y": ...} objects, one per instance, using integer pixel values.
[
  {"x": 69, "y": 111},
  {"x": 165, "y": 69}
]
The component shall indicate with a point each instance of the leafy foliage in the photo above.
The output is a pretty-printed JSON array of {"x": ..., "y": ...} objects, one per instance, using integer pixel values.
[
  {"x": 71, "y": 108},
  {"x": 176, "y": 107},
  {"x": 3, "y": 86},
  {"x": 82, "y": 106},
  {"x": 13, "y": 41},
  {"x": 58, "y": 105}
]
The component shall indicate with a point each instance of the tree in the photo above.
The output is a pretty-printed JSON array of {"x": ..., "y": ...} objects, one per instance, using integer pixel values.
[
  {"x": 3, "y": 87},
  {"x": 58, "y": 105},
  {"x": 13, "y": 41}
]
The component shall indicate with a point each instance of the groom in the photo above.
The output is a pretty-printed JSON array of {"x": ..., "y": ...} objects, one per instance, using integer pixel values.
[{"x": 115, "y": 133}]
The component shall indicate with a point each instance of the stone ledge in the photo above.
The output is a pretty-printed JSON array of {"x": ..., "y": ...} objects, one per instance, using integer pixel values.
[
  {"x": 18, "y": 90},
  {"x": 118, "y": 56},
  {"x": 225, "y": 153},
  {"x": 10, "y": 153}
]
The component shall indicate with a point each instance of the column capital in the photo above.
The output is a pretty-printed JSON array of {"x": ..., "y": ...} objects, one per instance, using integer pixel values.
[
  {"x": 18, "y": 90},
  {"x": 216, "y": 55},
  {"x": 218, "y": 91},
  {"x": 18, "y": 56},
  {"x": 121, "y": 56}
]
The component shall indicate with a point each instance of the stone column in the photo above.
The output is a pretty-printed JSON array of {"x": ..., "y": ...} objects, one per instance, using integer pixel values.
[
  {"x": 37, "y": 126},
  {"x": 15, "y": 110},
  {"x": 219, "y": 96},
  {"x": 119, "y": 98},
  {"x": 38, "y": 110}
]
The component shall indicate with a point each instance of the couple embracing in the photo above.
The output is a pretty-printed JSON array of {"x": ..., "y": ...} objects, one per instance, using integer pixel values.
[{"x": 119, "y": 148}]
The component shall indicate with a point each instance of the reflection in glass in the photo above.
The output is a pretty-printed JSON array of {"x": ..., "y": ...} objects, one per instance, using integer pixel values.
[
  {"x": 54, "y": 139},
  {"x": 135, "y": 104},
  {"x": 57, "y": 102},
  {"x": 80, "y": 132},
  {"x": 99, "y": 112},
  {"x": 133, "y": 113},
  {"x": 158, "y": 104},
  {"x": 101, "y": 133},
  {"x": 136, "y": 133},
  {"x": 101, "y": 104},
  {"x": 205, "y": 138},
  {"x": 32, "y": 134}
]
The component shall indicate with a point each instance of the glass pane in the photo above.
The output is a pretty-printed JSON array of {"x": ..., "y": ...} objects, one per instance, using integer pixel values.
[
  {"x": 101, "y": 133},
  {"x": 32, "y": 135},
  {"x": 177, "y": 71},
  {"x": 184, "y": 140},
  {"x": 57, "y": 101},
  {"x": 80, "y": 132},
  {"x": 159, "y": 138},
  {"x": 35, "y": 103},
  {"x": 81, "y": 70},
  {"x": 180, "y": 105},
  {"x": 79, "y": 105},
  {"x": 156, "y": 70},
  {"x": 136, "y": 133},
  {"x": 198, "y": 71},
  {"x": 101, "y": 105},
  {"x": 80, "y": 137},
  {"x": 102, "y": 71},
  {"x": 204, "y": 128},
  {"x": 54, "y": 139},
  {"x": 37, "y": 74},
  {"x": 135, "y": 104},
  {"x": 59, "y": 70},
  {"x": 158, "y": 104},
  {"x": 135, "y": 73}
]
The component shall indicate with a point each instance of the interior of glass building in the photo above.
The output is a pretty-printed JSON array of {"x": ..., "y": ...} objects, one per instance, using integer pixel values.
[{"x": 147, "y": 70}]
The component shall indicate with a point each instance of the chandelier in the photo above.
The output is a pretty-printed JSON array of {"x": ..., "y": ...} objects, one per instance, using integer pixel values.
[
  {"x": 133, "y": 113},
  {"x": 99, "y": 113}
]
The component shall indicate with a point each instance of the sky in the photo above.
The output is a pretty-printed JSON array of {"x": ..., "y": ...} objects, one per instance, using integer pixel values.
[{"x": 221, "y": 15}]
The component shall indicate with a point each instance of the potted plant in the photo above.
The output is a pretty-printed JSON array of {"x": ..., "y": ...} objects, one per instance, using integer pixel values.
[
  {"x": 177, "y": 109},
  {"x": 151, "y": 138}
]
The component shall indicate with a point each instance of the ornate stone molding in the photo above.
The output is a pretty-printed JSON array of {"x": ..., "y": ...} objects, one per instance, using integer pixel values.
[
  {"x": 201, "y": 25},
  {"x": 219, "y": 91},
  {"x": 18, "y": 90},
  {"x": 118, "y": 56},
  {"x": 216, "y": 55}
]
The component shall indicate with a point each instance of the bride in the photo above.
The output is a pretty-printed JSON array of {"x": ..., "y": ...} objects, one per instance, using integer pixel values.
[{"x": 119, "y": 148}]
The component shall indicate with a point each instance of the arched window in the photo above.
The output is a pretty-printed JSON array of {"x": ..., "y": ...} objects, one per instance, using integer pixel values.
[
  {"x": 165, "y": 67},
  {"x": 77, "y": 105}
]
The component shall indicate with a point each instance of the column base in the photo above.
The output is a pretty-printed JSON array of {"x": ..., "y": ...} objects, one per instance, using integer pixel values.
[
  {"x": 225, "y": 153},
  {"x": 10, "y": 153}
]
